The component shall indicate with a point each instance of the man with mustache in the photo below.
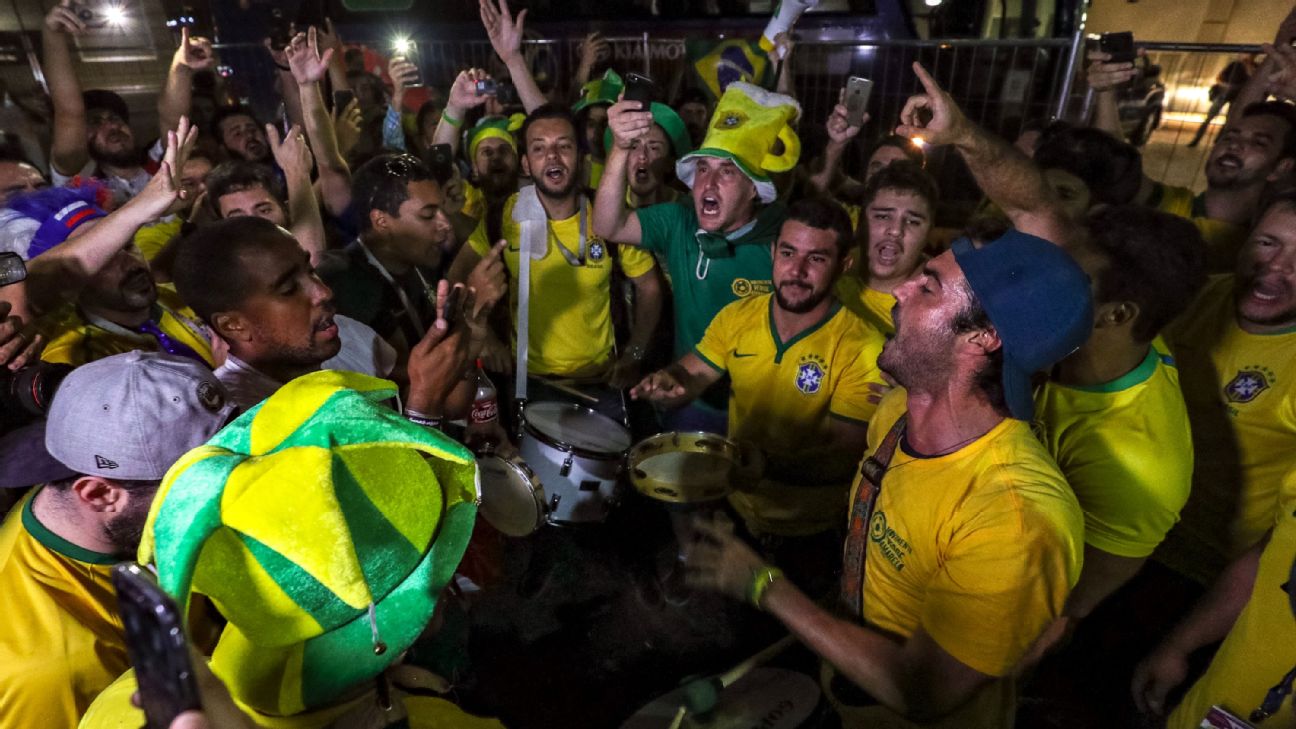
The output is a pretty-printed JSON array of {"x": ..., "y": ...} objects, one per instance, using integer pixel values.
[
  {"x": 92, "y": 133},
  {"x": 899, "y": 210},
  {"x": 240, "y": 135},
  {"x": 1236, "y": 346},
  {"x": 1256, "y": 147},
  {"x": 800, "y": 365},
  {"x": 570, "y": 319},
  {"x": 717, "y": 244}
]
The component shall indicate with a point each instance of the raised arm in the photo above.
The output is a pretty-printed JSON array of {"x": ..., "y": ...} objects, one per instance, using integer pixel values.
[
  {"x": 309, "y": 67},
  {"x": 293, "y": 156},
  {"x": 1006, "y": 176},
  {"x": 1270, "y": 77},
  {"x": 840, "y": 136},
  {"x": 613, "y": 219},
  {"x": 69, "y": 150},
  {"x": 463, "y": 96},
  {"x": 193, "y": 55},
  {"x": 592, "y": 50},
  {"x": 1104, "y": 78},
  {"x": 505, "y": 33}
]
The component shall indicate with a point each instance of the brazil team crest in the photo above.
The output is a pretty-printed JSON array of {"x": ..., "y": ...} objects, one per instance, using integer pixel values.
[
  {"x": 810, "y": 374},
  {"x": 1247, "y": 384},
  {"x": 597, "y": 251}
]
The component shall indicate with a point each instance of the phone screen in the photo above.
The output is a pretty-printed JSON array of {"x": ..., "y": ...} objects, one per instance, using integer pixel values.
[
  {"x": 1119, "y": 45},
  {"x": 155, "y": 641},
  {"x": 857, "y": 96}
]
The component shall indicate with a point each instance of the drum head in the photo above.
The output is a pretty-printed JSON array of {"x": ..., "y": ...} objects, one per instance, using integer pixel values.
[
  {"x": 766, "y": 697},
  {"x": 683, "y": 467},
  {"x": 576, "y": 426},
  {"x": 511, "y": 496}
]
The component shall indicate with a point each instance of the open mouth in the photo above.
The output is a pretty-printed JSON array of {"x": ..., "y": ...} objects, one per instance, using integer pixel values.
[
  {"x": 327, "y": 327},
  {"x": 641, "y": 174},
  {"x": 555, "y": 173},
  {"x": 1229, "y": 162},
  {"x": 710, "y": 205},
  {"x": 887, "y": 253},
  {"x": 1267, "y": 291}
]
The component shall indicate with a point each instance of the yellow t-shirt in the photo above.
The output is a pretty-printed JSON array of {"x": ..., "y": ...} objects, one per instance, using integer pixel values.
[
  {"x": 474, "y": 201},
  {"x": 570, "y": 307},
  {"x": 61, "y": 640},
  {"x": 74, "y": 340},
  {"x": 869, "y": 304},
  {"x": 782, "y": 397},
  {"x": 1126, "y": 449},
  {"x": 1240, "y": 389},
  {"x": 1223, "y": 239},
  {"x": 1261, "y": 646},
  {"x": 151, "y": 239},
  {"x": 979, "y": 548}
]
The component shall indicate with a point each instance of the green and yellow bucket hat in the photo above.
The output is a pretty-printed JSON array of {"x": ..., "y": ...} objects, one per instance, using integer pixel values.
[
  {"x": 600, "y": 91},
  {"x": 494, "y": 127},
  {"x": 324, "y": 526}
]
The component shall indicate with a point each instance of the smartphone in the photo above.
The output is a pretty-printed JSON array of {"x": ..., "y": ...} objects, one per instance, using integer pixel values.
[
  {"x": 1119, "y": 45},
  {"x": 857, "y": 96},
  {"x": 506, "y": 94},
  {"x": 453, "y": 310},
  {"x": 639, "y": 88},
  {"x": 408, "y": 50},
  {"x": 156, "y": 644},
  {"x": 486, "y": 87},
  {"x": 342, "y": 98},
  {"x": 440, "y": 159},
  {"x": 88, "y": 16}
]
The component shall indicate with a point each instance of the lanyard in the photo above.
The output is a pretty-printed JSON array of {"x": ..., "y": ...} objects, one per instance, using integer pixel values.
[
  {"x": 410, "y": 311},
  {"x": 574, "y": 259}
]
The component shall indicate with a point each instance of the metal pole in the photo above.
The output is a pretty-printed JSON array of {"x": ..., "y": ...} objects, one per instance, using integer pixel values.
[
  {"x": 1073, "y": 61},
  {"x": 647, "y": 65}
]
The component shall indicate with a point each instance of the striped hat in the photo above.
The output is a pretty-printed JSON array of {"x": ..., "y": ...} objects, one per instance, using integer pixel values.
[{"x": 324, "y": 526}]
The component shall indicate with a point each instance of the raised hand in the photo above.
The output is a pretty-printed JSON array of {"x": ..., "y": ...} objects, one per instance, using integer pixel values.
[
  {"x": 196, "y": 54},
  {"x": 839, "y": 132},
  {"x": 628, "y": 122},
  {"x": 504, "y": 30},
  {"x": 164, "y": 194},
  {"x": 488, "y": 280},
  {"x": 307, "y": 64},
  {"x": 1103, "y": 75},
  {"x": 438, "y": 362},
  {"x": 403, "y": 74},
  {"x": 329, "y": 39},
  {"x": 463, "y": 92},
  {"x": 62, "y": 18},
  {"x": 1280, "y": 71},
  {"x": 593, "y": 49},
  {"x": 18, "y": 347},
  {"x": 946, "y": 125},
  {"x": 347, "y": 125},
  {"x": 293, "y": 154}
]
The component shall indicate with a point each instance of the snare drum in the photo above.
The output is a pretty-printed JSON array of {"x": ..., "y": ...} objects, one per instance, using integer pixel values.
[
  {"x": 513, "y": 497},
  {"x": 578, "y": 455},
  {"x": 685, "y": 468},
  {"x": 766, "y": 697}
]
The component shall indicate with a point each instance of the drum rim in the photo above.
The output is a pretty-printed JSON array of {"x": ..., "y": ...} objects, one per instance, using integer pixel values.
[
  {"x": 566, "y": 447},
  {"x": 701, "y": 433},
  {"x": 519, "y": 466}
]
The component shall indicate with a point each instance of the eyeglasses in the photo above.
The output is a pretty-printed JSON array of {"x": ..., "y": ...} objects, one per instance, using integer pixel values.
[{"x": 403, "y": 165}]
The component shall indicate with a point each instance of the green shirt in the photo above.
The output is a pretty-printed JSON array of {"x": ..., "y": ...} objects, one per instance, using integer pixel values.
[{"x": 703, "y": 285}]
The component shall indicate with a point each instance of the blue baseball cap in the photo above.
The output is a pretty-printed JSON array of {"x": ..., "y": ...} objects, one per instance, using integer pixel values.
[{"x": 1038, "y": 300}]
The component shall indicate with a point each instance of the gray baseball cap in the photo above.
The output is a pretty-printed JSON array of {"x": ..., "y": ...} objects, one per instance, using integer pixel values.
[{"x": 127, "y": 417}]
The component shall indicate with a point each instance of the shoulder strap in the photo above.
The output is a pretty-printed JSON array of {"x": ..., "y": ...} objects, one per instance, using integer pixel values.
[{"x": 872, "y": 470}]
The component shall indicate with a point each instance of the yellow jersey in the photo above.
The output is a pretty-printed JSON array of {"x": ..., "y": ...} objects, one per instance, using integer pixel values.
[
  {"x": 1223, "y": 239},
  {"x": 76, "y": 340},
  {"x": 1261, "y": 646},
  {"x": 151, "y": 239},
  {"x": 979, "y": 548},
  {"x": 782, "y": 397},
  {"x": 570, "y": 306},
  {"x": 1240, "y": 389},
  {"x": 1126, "y": 449},
  {"x": 869, "y": 304},
  {"x": 61, "y": 640},
  {"x": 474, "y": 201}
]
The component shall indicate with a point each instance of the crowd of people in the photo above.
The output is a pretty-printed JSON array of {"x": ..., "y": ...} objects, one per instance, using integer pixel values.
[{"x": 1044, "y": 456}]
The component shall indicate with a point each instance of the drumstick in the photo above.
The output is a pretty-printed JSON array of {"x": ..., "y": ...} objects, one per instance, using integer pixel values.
[
  {"x": 702, "y": 695},
  {"x": 679, "y": 718},
  {"x": 571, "y": 391}
]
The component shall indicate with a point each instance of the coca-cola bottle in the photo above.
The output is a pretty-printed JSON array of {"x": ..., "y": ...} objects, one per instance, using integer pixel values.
[{"x": 482, "y": 430}]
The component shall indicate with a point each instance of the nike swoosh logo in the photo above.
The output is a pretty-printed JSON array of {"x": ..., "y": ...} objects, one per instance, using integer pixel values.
[{"x": 740, "y": 356}]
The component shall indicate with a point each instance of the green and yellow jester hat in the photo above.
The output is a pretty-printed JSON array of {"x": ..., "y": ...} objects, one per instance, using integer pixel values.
[
  {"x": 494, "y": 127},
  {"x": 600, "y": 91},
  {"x": 747, "y": 128},
  {"x": 324, "y": 526}
]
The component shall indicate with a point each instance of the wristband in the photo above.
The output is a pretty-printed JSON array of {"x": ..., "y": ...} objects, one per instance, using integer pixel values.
[
  {"x": 636, "y": 353},
  {"x": 760, "y": 584},
  {"x": 456, "y": 123},
  {"x": 423, "y": 419}
]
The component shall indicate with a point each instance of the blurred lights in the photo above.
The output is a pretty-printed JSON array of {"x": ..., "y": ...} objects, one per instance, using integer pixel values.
[
  {"x": 402, "y": 45},
  {"x": 115, "y": 15},
  {"x": 933, "y": 3},
  {"x": 919, "y": 142}
]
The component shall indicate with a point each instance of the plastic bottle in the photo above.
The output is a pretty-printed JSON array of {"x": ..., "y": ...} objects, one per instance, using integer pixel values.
[{"x": 485, "y": 412}]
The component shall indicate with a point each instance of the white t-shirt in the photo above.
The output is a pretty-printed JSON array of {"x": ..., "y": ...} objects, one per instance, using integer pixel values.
[
  {"x": 362, "y": 351},
  {"x": 123, "y": 188}
]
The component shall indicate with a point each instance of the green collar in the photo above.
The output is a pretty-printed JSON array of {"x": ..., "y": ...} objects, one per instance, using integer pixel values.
[
  {"x": 54, "y": 542},
  {"x": 1134, "y": 377},
  {"x": 779, "y": 347}
]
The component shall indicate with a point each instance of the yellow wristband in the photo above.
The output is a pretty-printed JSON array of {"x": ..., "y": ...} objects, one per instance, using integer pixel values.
[
  {"x": 451, "y": 120},
  {"x": 761, "y": 582}
]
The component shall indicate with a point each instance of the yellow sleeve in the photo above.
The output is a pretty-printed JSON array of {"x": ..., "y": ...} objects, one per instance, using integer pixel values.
[
  {"x": 850, "y": 400},
  {"x": 474, "y": 202},
  {"x": 477, "y": 241},
  {"x": 151, "y": 239},
  {"x": 1004, "y": 580},
  {"x": 635, "y": 261},
  {"x": 717, "y": 342}
]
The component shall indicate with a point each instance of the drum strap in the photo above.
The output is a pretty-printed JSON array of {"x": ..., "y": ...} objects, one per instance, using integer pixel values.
[
  {"x": 872, "y": 469},
  {"x": 523, "y": 310}
]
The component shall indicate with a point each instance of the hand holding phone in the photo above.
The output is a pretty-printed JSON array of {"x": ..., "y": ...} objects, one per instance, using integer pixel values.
[
  {"x": 856, "y": 100},
  {"x": 1120, "y": 46},
  {"x": 639, "y": 88},
  {"x": 156, "y": 644}
]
